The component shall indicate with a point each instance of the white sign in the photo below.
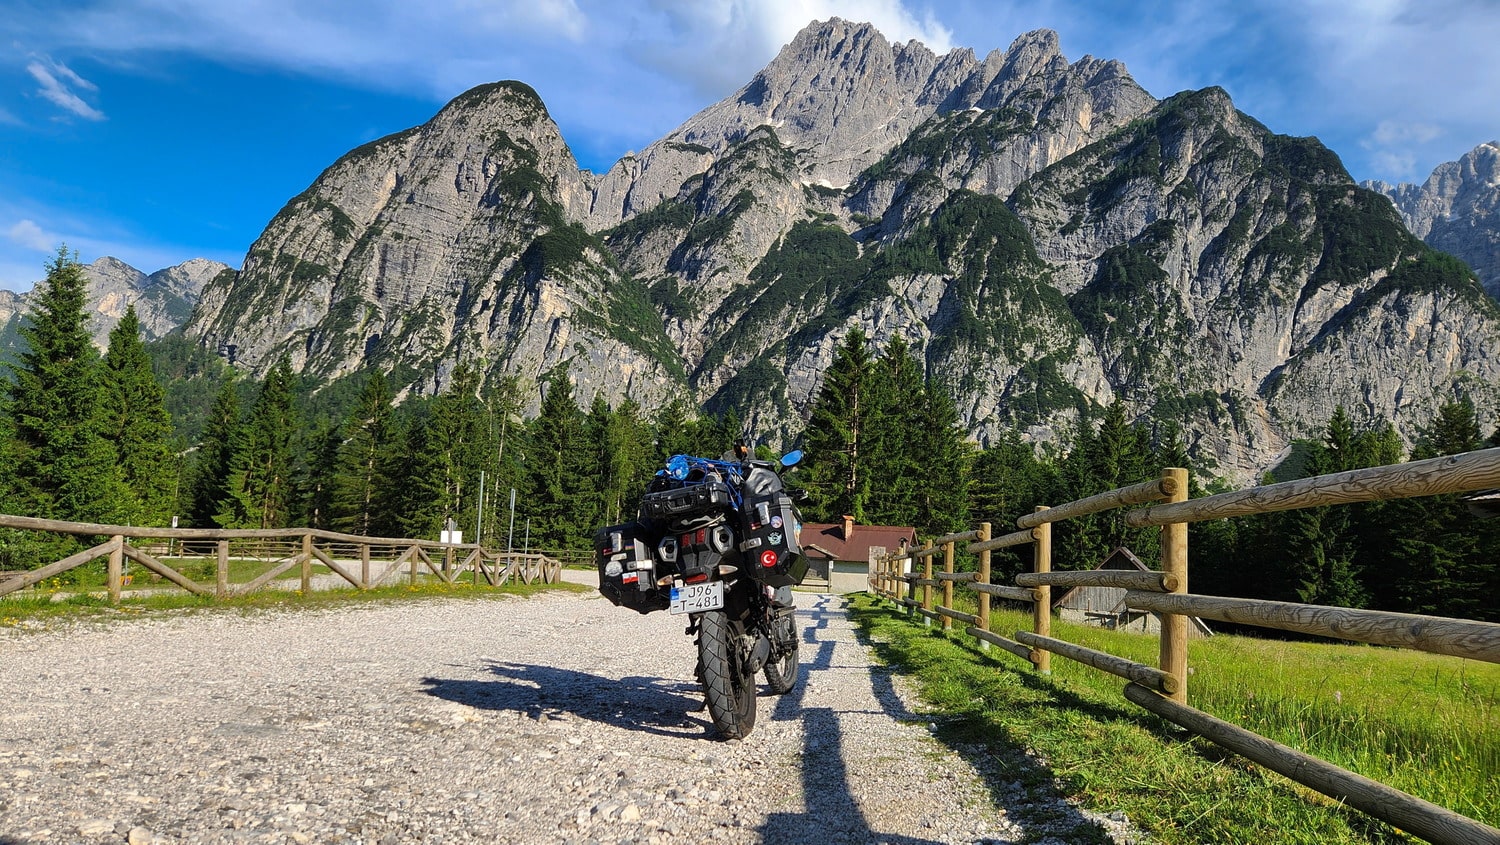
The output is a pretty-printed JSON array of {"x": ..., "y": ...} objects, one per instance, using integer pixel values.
[{"x": 455, "y": 537}]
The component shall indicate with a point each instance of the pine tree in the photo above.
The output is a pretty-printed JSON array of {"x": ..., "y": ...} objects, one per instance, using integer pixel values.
[
  {"x": 417, "y": 473},
  {"x": 460, "y": 430},
  {"x": 260, "y": 489},
  {"x": 836, "y": 472},
  {"x": 896, "y": 469},
  {"x": 208, "y": 487},
  {"x": 317, "y": 472},
  {"x": 1314, "y": 547},
  {"x": 65, "y": 463},
  {"x": 1009, "y": 481},
  {"x": 139, "y": 425},
  {"x": 621, "y": 442},
  {"x": 673, "y": 426},
  {"x": 1121, "y": 457},
  {"x": 947, "y": 456},
  {"x": 359, "y": 482},
  {"x": 1434, "y": 556},
  {"x": 559, "y": 471}
]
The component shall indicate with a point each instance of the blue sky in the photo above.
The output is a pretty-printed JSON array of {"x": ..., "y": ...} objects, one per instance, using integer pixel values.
[{"x": 161, "y": 130}]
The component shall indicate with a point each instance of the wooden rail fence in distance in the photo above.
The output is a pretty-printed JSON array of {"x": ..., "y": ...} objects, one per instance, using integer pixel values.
[{"x": 350, "y": 557}]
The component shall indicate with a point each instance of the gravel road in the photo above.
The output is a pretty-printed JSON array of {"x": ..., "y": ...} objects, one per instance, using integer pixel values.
[{"x": 555, "y": 719}]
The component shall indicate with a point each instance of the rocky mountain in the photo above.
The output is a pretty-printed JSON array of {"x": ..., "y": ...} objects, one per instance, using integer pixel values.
[
  {"x": 461, "y": 238},
  {"x": 1048, "y": 237},
  {"x": 163, "y": 300},
  {"x": 1457, "y": 210}
]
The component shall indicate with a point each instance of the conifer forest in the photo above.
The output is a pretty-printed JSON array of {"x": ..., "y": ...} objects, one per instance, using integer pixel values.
[{"x": 149, "y": 432}]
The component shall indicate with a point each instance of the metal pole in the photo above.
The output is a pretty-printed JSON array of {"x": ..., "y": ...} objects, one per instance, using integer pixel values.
[
  {"x": 510, "y": 538},
  {"x": 527, "y": 548},
  {"x": 479, "y": 520}
]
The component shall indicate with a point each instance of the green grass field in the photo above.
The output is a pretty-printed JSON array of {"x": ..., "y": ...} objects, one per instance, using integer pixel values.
[{"x": 1425, "y": 724}]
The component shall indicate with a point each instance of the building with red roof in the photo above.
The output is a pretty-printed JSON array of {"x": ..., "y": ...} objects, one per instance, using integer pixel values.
[{"x": 839, "y": 554}]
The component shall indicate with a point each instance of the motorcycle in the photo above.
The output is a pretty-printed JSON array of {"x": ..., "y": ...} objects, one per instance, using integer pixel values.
[{"x": 717, "y": 541}]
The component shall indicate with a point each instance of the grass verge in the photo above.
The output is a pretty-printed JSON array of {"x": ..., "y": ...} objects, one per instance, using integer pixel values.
[
  {"x": 36, "y": 611},
  {"x": 1422, "y": 725}
]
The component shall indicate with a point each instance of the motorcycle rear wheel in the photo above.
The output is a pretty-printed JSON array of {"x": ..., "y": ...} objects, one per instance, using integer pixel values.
[
  {"x": 729, "y": 688},
  {"x": 781, "y": 674}
]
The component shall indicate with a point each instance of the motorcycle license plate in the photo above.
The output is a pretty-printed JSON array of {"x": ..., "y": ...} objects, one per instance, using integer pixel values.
[{"x": 695, "y": 598}]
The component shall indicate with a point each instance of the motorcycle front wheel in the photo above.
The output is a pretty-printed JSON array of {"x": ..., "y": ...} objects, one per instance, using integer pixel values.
[{"x": 729, "y": 688}]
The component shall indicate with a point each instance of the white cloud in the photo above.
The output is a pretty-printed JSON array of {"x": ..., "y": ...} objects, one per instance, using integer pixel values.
[
  {"x": 619, "y": 73},
  {"x": 714, "y": 46},
  {"x": 1394, "y": 132},
  {"x": 28, "y": 234},
  {"x": 8, "y": 119},
  {"x": 57, "y": 81}
]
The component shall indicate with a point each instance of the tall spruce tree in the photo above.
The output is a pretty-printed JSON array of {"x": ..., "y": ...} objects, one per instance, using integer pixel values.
[
  {"x": 417, "y": 473},
  {"x": 559, "y": 470},
  {"x": 208, "y": 485},
  {"x": 66, "y": 467},
  {"x": 260, "y": 489},
  {"x": 461, "y": 430},
  {"x": 836, "y": 474},
  {"x": 946, "y": 460},
  {"x": 359, "y": 483},
  {"x": 507, "y": 438},
  {"x": 139, "y": 426},
  {"x": 897, "y": 468},
  {"x": 621, "y": 442},
  {"x": 316, "y": 457},
  {"x": 673, "y": 426}
]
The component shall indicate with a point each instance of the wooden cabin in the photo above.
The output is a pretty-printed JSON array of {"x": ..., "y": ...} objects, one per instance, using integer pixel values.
[{"x": 1105, "y": 606}]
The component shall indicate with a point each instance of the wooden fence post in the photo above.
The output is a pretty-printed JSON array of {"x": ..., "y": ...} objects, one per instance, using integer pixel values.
[
  {"x": 1174, "y": 561},
  {"x": 307, "y": 559},
  {"x": 984, "y": 578},
  {"x": 947, "y": 584},
  {"x": 413, "y": 562},
  {"x": 116, "y": 567},
  {"x": 1042, "y": 614},
  {"x": 927, "y": 587},
  {"x": 364, "y": 565},
  {"x": 221, "y": 569}
]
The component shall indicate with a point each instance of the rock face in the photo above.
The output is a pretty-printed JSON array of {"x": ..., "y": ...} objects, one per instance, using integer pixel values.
[
  {"x": 163, "y": 300},
  {"x": 458, "y": 239},
  {"x": 1457, "y": 210},
  {"x": 1047, "y": 236}
]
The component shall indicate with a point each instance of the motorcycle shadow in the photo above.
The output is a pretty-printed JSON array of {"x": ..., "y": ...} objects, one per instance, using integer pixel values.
[{"x": 658, "y": 706}]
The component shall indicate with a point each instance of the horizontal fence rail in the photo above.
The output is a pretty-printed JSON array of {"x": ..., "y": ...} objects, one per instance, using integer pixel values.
[
  {"x": 1463, "y": 473},
  {"x": 910, "y": 578},
  {"x": 1434, "y": 634},
  {"x": 361, "y": 562}
]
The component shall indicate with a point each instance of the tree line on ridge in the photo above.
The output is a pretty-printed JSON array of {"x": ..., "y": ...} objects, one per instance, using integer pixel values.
[{"x": 91, "y": 438}]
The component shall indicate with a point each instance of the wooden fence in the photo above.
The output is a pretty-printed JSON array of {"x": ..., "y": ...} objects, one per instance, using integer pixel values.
[
  {"x": 363, "y": 562},
  {"x": 1163, "y": 689}
]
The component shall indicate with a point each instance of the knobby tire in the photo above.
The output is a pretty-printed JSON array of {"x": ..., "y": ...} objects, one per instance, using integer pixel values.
[{"x": 730, "y": 691}]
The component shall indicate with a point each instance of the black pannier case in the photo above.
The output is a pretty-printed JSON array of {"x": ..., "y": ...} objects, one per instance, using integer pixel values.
[
  {"x": 689, "y": 500},
  {"x": 768, "y": 531},
  {"x": 627, "y": 567}
]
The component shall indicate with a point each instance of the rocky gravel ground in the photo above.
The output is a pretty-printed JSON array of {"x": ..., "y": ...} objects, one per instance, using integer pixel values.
[{"x": 556, "y": 719}]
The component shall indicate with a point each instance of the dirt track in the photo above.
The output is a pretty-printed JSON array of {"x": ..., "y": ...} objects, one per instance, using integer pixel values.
[{"x": 550, "y": 720}]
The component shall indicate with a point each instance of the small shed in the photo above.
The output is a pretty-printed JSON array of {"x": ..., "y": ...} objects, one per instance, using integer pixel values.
[
  {"x": 1105, "y": 606},
  {"x": 1484, "y": 504},
  {"x": 839, "y": 553}
]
